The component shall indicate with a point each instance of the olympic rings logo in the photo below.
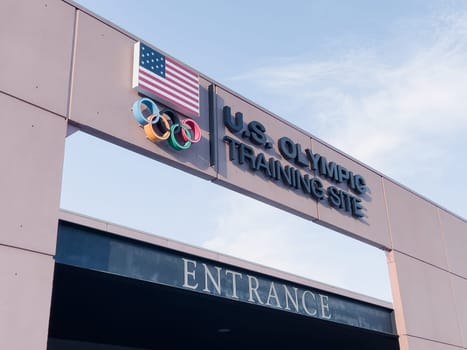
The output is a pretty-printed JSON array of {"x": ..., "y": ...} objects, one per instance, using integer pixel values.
[{"x": 165, "y": 125}]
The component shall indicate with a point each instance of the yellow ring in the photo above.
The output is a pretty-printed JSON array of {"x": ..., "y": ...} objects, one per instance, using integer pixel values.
[{"x": 151, "y": 133}]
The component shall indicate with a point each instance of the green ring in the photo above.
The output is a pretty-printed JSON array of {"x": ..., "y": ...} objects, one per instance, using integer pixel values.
[{"x": 173, "y": 138}]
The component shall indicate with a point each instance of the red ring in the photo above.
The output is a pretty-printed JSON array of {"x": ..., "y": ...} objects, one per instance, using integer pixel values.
[{"x": 194, "y": 128}]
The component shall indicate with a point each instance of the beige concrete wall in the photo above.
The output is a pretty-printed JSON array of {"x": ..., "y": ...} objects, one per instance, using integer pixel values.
[
  {"x": 25, "y": 295},
  {"x": 55, "y": 69},
  {"x": 428, "y": 272},
  {"x": 36, "y": 38},
  {"x": 35, "y": 63},
  {"x": 31, "y": 150}
]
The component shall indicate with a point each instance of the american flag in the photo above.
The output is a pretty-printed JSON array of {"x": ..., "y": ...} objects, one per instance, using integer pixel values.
[{"x": 166, "y": 80}]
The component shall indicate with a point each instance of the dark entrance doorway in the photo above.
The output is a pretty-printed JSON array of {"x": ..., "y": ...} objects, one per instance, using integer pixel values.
[
  {"x": 95, "y": 307},
  {"x": 115, "y": 293}
]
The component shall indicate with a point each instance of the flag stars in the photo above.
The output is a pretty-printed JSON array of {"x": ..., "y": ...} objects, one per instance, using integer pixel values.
[{"x": 152, "y": 60}]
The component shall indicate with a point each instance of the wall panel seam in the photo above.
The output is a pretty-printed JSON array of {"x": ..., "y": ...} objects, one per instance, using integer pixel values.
[
  {"x": 31, "y": 104},
  {"x": 434, "y": 341},
  {"x": 428, "y": 263},
  {"x": 72, "y": 64},
  {"x": 386, "y": 205},
  {"x": 27, "y": 249},
  {"x": 451, "y": 286}
]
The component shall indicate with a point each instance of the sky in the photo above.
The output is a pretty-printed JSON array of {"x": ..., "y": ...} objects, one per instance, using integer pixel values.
[{"x": 386, "y": 82}]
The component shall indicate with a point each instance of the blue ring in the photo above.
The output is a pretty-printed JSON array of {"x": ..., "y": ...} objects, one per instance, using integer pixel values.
[{"x": 140, "y": 118}]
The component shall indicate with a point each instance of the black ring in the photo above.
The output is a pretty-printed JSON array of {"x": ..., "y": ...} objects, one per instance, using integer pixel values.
[{"x": 173, "y": 118}]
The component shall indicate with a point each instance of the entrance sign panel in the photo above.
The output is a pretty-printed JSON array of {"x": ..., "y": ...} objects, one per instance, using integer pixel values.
[
  {"x": 372, "y": 226},
  {"x": 265, "y": 157},
  {"x": 241, "y": 146},
  {"x": 240, "y": 165},
  {"x": 87, "y": 248}
]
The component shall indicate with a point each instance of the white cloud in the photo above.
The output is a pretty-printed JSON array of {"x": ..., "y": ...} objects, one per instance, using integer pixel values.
[
  {"x": 370, "y": 108},
  {"x": 404, "y": 114}
]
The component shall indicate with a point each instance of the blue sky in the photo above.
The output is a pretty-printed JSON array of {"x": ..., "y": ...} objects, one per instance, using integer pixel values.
[{"x": 394, "y": 72}]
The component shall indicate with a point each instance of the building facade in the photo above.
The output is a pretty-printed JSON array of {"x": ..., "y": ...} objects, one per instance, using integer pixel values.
[{"x": 62, "y": 68}]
